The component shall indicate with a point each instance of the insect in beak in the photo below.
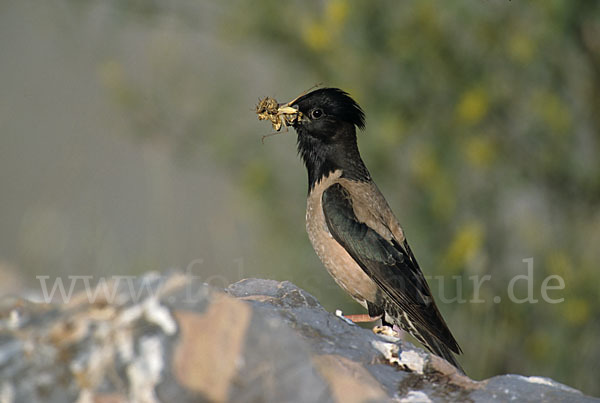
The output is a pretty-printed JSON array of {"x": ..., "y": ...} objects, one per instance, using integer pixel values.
[{"x": 280, "y": 115}]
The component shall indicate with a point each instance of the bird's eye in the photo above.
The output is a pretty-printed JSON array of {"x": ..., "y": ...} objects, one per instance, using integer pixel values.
[{"x": 316, "y": 113}]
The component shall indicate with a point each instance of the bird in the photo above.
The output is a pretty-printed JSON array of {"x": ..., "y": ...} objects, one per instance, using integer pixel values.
[{"x": 352, "y": 228}]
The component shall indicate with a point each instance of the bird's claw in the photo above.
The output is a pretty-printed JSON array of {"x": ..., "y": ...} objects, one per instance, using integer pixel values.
[{"x": 387, "y": 332}]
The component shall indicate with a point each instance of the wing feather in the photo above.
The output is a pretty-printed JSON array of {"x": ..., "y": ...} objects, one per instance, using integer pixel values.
[{"x": 390, "y": 264}]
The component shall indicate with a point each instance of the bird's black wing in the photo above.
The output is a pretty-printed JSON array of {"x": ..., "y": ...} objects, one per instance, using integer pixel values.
[{"x": 390, "y": 265}]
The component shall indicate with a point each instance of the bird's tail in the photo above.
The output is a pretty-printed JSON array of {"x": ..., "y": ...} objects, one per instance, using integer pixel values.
[{"x": 440, "y": 349}]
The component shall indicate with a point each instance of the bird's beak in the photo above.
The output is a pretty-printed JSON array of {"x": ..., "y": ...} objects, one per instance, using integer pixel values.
[
  {"x": 288, "y": 110},
  {"x": 291, "y": 114}
]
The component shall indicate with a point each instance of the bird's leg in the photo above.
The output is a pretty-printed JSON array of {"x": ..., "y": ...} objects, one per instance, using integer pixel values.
[
  {"x": 362, "y": 317},
  {"x": 351, "y": 319}
]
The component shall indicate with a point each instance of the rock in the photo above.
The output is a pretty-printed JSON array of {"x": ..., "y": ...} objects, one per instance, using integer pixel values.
[{"x": 168, "y": 339}]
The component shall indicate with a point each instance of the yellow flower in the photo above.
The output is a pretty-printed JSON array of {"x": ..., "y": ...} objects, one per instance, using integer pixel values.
[
  {"x": 576, "y": 310},
  {"x": 337, "y": 12},
  {"x": 317, "y": 37},
  {"x": 473, "y": 106},
  {"x": 465, "y": 245}
]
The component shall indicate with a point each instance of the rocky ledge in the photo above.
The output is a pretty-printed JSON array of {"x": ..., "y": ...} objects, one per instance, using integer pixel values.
[{"x": 164, "y": 339}]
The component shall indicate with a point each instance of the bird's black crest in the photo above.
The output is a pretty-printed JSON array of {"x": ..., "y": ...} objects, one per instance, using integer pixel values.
[{"x": 339, "y": 103}]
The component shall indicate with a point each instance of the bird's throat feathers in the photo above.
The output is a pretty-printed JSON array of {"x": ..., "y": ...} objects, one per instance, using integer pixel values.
[{"x": 322, "y": 157}]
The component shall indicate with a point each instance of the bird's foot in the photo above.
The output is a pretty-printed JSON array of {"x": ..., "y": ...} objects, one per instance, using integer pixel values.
[{"x": 388, "y": 332}]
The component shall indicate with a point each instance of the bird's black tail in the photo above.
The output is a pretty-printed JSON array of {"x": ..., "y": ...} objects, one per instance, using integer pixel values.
[{"x": 440, "y": 349}]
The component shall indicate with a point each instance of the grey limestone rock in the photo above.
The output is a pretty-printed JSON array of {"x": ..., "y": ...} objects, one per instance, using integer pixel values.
[{"x": 167, "y": 339}]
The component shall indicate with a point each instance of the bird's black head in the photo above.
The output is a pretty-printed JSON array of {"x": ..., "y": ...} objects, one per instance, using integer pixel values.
[
  {"x": 327, "y": 134},
  {"x": 325, "y": 110}
]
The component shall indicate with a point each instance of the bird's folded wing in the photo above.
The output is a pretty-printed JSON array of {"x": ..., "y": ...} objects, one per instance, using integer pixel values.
[{"x": 390, "y": 265}]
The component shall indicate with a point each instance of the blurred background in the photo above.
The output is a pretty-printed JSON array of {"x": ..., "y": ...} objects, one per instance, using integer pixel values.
[{"x": 129, "y": 143}]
